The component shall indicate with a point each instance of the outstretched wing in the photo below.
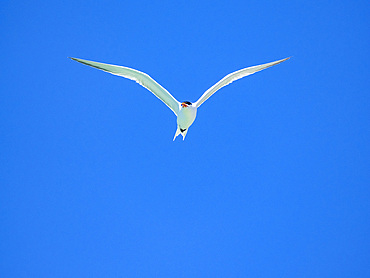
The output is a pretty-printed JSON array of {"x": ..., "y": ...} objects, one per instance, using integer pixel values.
[
  {"x": 142, "y": 78},
  {"x": 233, "y": 77}
]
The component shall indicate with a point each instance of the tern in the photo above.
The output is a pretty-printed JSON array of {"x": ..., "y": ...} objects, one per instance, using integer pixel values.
[{"x": 185, "y": 111}]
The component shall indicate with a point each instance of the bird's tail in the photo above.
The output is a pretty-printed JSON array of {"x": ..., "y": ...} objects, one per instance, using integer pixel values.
[
  {"x": 182, "y": 131},
  {"x": 177, "y": 133},
  {"x": 184, "y": 134}
]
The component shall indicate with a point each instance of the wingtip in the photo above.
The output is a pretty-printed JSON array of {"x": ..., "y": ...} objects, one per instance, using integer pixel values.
[{"x": 282, "y": 60}]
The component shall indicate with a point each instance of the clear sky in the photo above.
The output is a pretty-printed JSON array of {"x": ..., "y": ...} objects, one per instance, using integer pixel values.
[{"x": 272, "y": 179}]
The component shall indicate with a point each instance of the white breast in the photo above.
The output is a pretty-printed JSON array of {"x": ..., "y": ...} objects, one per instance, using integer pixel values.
[{"x": 186, "y": 116}]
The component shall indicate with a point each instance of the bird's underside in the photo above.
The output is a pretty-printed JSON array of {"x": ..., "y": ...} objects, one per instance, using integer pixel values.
[{"x": 185, "y": 111}]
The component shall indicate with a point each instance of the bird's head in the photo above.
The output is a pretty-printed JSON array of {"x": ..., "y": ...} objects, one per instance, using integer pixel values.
[{"x": 186, "y": 104}]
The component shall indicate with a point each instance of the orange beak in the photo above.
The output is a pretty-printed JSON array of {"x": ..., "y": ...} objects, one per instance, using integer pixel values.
[{"x": 184, "y": 105}]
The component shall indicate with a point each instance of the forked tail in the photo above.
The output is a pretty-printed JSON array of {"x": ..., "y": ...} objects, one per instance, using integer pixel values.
[{"x": 182, "y": 131}]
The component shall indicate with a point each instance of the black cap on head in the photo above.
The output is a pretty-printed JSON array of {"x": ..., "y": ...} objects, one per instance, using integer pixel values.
[{"x": 187, "y": 102}]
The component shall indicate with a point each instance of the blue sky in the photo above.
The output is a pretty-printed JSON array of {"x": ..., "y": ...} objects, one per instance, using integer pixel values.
[{"x": 271, "y": 181}]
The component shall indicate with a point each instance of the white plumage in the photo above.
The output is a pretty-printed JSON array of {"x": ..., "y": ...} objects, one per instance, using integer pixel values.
[{"x": 185, "y": 111}]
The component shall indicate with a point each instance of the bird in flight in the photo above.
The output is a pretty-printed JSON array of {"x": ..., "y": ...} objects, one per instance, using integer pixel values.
[{"x": 185, "y": 111}]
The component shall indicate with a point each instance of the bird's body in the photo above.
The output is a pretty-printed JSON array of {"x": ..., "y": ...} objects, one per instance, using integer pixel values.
[
  {"x": 186, "y": 111},
  {"x": 185, "y": 118}
]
